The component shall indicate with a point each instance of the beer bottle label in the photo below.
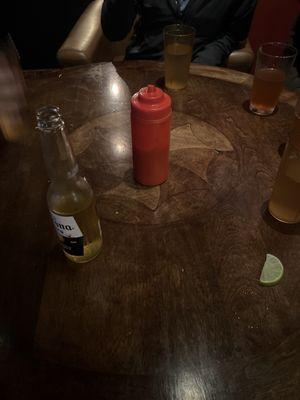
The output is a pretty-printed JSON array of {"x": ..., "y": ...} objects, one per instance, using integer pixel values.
[{"x": 69, "y": 234}]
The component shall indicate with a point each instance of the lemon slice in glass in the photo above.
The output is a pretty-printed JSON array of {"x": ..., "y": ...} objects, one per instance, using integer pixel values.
[{"x": 272, "y": 271}]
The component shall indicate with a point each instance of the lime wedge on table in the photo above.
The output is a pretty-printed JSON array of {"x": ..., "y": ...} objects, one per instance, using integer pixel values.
[{"x": 272, "y": 271}]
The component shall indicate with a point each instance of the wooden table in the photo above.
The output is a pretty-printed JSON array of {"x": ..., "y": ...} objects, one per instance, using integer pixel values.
[{"x": 172, "y": 308}]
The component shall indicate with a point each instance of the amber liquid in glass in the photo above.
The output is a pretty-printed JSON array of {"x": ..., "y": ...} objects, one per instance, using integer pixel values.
[
  {"x": 267, "y": 86},
  {"x": 284, "y": 204},
  {"x": 177, "y": 61}
]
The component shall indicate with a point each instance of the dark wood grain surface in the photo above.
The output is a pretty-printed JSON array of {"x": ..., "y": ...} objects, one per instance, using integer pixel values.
[{"x": 172, "y": 308}]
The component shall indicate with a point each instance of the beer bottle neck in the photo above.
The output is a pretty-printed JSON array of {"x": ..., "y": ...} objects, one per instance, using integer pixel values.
[{"x": 57, "y": 152}]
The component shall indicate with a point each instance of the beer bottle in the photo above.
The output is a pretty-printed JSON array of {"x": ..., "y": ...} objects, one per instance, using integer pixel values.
[{"x": 71, "y": 201}]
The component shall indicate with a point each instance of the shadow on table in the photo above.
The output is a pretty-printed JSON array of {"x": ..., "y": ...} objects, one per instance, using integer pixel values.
[
  {"x": 60, "y": 264},
  {"x": 2, "y": 140},
  {"x": 281, "y": 149},
  {"x": 287, "y": 229}
]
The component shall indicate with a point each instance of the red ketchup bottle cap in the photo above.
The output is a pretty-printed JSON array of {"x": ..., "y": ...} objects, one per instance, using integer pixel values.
[{"x": 151, "y": 103}]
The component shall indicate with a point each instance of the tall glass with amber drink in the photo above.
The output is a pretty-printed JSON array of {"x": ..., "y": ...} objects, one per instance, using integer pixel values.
[
  {"x": 178, "y": 50},
  {"x": 273, "y": 63},
  {"x": 284, "y": 204}
]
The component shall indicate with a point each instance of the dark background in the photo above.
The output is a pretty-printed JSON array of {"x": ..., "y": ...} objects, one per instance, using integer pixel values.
[{"x": 38, "y": 28}]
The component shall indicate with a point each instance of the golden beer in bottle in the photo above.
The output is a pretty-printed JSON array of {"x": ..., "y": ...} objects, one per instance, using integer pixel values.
[{"x": 71, "y": 201}]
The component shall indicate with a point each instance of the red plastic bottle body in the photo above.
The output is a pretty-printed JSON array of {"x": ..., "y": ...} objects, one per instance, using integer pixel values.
[{"x": 150, "y": 127}]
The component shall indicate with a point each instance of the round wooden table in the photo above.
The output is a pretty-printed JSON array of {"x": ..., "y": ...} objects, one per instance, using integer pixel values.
[{"x": 172, "y": 307}]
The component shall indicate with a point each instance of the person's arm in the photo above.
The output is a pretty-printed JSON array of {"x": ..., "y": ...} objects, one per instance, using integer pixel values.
[
  {"x": 216, "y": 52},
  {"x": 117, "y": 18}
]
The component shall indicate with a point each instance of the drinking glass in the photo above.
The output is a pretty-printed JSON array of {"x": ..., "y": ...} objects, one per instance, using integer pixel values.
[
  {"x": 274, "y": 61},
  {"x": 179, "y": 42},
  {"x": 284, "y": 203}
]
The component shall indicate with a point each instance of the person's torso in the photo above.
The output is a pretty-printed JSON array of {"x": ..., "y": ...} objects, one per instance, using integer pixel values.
[{"x": 208, "y": 17}]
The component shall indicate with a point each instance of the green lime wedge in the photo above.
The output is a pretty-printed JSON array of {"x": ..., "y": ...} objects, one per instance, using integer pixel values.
[{"x": 272, "y": 271}]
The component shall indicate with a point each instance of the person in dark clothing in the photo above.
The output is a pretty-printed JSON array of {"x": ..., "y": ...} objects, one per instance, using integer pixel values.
[{"x": 220, "y": 25}]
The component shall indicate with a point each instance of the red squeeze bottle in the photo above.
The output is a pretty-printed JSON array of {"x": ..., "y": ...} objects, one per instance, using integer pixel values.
[{"x": 150, "y": 128}]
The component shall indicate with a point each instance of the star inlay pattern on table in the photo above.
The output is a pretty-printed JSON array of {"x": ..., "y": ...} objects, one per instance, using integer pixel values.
[{"x": 194, "y": 144}]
